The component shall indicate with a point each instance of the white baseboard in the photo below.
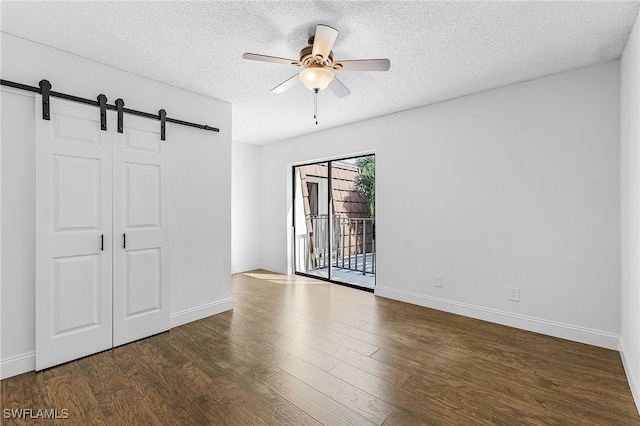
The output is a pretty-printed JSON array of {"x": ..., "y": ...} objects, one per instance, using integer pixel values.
[
  {"x": 537, "y": 325},
  {"x": 18, "y": 364},
  {"x": 199, "y": 312},
  {"x": 633, "y": 384}
]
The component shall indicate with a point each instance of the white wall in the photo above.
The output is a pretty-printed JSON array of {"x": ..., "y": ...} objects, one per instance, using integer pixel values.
[
  {"x": 516, "y": 186},
  {"x": 200, "y": 222},
  {"x": 630, "y": 210},
  {"x": 200, "y": 181},
  {"x": 245, "y": 207}
]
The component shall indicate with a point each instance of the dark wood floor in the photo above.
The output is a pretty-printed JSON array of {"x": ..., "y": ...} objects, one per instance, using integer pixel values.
[{"x": 299, "y": 351}]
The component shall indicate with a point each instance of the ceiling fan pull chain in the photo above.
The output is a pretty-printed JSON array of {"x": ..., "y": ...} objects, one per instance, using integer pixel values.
[{"x": 315, "y": 105}]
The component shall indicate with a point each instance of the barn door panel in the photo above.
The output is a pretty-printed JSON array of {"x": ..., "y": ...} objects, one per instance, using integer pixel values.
[
  {"x": 73, "y": 234},
  {"x": 141, "y": 286}
]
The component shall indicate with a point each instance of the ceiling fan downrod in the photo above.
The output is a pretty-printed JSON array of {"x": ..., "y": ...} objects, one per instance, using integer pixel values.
[{"x": 315, "y": 104}]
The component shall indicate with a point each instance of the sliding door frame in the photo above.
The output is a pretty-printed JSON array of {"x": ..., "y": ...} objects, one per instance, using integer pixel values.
[{"x": 330, "y": 226}]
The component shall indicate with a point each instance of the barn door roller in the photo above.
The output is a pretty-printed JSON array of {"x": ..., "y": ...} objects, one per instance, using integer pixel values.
[
  {"x": 45, "y": 87},
  {"x": 163, "y": 118},
  {"x": 102, "y": 103},
  {"x": 120, "y": 108}
]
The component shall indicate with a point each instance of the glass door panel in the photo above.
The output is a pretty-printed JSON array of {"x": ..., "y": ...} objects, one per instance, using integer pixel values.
[
  {"x": 311, "y": 219},
  {"x": 353, "y": 220}
]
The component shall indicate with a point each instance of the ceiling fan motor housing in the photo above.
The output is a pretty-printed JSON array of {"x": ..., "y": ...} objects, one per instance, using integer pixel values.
[{"x": 307, "y": 59}]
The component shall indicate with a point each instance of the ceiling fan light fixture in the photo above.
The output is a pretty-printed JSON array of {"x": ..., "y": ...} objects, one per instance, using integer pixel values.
[{"x": 316, "y": 78}]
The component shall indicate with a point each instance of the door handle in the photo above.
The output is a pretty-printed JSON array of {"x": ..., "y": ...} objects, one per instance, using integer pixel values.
[
  {"x": 102, "y": 242},
  {"x": 124, "y": 241}
]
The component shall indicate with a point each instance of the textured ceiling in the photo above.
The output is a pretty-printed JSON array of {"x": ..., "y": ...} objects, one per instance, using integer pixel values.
[{"x": 438, "y": 50}]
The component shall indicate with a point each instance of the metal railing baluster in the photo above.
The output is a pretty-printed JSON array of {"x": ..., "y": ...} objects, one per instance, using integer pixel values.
[
  {"x": 348, "y": 251},
  {"x": 364, "y": 247}
]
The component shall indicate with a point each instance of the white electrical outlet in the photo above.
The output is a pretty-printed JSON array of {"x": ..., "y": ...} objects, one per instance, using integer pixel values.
[
  {"x": 514, "y": 294},
  {"x": 438, "y": 281}
]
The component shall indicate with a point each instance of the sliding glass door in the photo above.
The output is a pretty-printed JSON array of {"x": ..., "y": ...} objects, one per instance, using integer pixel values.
[{"x": 334, "y": 220}]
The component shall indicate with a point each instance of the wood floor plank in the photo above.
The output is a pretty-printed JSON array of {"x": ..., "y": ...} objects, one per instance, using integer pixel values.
[
  {"x": 342, "y": 311},
  {"x": 170, "y": 406},
  {"x": 190, "y": 381},
  {"x": 400, "y": 418},
  {"x": 264, "y": 403},
  {"x": 317, "y": 313},
  {"x": 296, "y": 351},
  {"x": 365, "y": 404},
  {"x": 118, "y": 399},
  {"x": 428, "y": 409},
  {"x": 224, "y": 355},
  {"x": 349, "y": 342},
  {"x": 513, "y": 402},
  {"x": 520, "y": 357},
  {"x": 318, "y": 405},
  {"x": 262, "y": 334},
  {"x": 317, "y": 328},
  {"x": 185, "y": 348},
  {"x": 26, "y": 392},
  {"x": 270, "y": 406},
  {"x": 230, "y": 386},
  {"x": 337, "y": 351},
  {"x": 270, "y": 351},
  {"x": 69, "y": 390},
  {"x": 576, "y": 353},
  {"x": 366, "y": 336},
  {"x": 510, "y": 383}
]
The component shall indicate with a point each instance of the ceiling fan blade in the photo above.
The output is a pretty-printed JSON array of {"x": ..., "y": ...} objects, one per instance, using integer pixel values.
[
  {"x": 265, "y": 58},
  {"x": 323, "y": 40},
  {"x": 338, "y": 89},
  {"x": 286, "y": 85},
  {"x": 364, "y": 65}
]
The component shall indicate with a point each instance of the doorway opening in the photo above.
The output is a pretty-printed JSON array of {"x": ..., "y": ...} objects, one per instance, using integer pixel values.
[{"x": 334, "y": 221}]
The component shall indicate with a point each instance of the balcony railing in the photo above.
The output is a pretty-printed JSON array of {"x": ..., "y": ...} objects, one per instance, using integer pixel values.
[{"x": 353, "y": 244}]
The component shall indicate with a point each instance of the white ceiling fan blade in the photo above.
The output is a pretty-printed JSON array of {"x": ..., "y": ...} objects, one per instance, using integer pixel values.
[
  {"x": 286, "y": 85},
  {"x": 265, "y": 58},
  {"x": 338, "y": 89},
  {"x": 363, "y": 65},
  {"x": 323, "y": 40}
]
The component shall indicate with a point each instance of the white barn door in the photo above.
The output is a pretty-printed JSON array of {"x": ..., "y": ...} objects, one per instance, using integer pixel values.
[
  {"x": 73, "y": 234},
  {"x": 140, "y": 237}
]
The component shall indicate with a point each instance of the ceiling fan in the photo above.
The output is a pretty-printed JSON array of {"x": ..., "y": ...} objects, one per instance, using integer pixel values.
[{"x": 319, "y": 65}]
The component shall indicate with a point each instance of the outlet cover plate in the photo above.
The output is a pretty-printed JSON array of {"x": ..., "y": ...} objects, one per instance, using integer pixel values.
[{"x": 514, "y": 294}]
